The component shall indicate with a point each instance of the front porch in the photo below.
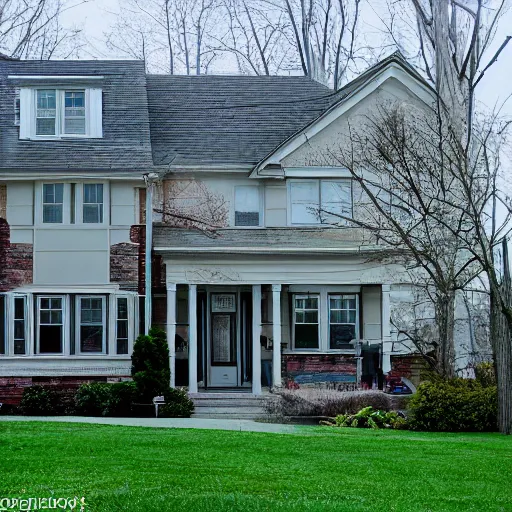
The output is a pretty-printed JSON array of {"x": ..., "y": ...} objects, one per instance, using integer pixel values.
[{"x": 247, "y": 339}]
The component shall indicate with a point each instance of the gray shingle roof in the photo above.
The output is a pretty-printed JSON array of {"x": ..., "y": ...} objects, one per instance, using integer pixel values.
[
  {"x": 275, "y": 239},
  {"x": 228, "y": 119},
  {"x": 126, "y": 142}
]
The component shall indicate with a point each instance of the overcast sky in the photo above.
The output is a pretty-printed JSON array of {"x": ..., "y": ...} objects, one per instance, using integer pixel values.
[{"x": 96, "y": 17}]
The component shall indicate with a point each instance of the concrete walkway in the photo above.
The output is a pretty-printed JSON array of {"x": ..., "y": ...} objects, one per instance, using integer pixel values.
[{"x": 210, "y": 424}]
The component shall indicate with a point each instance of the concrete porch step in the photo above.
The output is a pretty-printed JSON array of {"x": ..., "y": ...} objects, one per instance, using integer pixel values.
[{"x": 228, "y": 405}]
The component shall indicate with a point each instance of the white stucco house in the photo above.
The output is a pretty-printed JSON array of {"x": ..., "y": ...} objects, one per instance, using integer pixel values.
[{"x": 273, "y": 295}]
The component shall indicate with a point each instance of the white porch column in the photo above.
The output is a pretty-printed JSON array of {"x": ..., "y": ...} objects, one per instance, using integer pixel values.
[
  {"x": 386, "y": 329},
  {"x": 192, "y": 338},
  {"x": 256, "y": 333},
  {"x": 276, "y": 332},
  {"x": 171, "y": 329}
]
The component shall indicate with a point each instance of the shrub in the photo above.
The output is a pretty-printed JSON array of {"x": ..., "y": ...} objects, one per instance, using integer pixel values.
[
  {"x": 458, "y": 405},
  {"x": 368, "y": 417},
  {"x": 38, "y": 401},
  {"x": 91, "y": 399},
  {"x": 177, "y": 404},
  {"x": 122, "y": 396},
  {"x": 484, "y": 373},
  {"x": 150, "y": 364},
  {"x": 322, "y": 402}
]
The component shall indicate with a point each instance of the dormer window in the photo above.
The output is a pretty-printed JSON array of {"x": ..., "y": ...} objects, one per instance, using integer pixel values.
[{"x": 60, "y": 113}]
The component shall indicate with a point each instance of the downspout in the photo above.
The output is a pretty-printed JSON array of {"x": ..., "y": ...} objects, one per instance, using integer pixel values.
[{"x": 149, "y": 180}]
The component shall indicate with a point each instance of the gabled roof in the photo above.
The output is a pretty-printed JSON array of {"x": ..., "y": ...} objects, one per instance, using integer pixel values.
[
  {"x": 125, "y": 145},
  {"x": 208, "y": 120},
  {"x": 393, "y": 66},
  {"x": 240, "y": 120}
]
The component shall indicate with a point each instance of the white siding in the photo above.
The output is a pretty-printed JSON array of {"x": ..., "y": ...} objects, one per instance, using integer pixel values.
[{"x": 20, "y": 203}]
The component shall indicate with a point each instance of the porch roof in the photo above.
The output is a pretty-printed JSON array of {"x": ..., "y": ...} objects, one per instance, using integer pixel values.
[{"x": 260, "y": 240}]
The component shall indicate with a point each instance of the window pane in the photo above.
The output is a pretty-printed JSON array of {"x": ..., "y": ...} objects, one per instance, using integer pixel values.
[
  {"x": 56, "y": 303},
  {"x": 122, "y": 346},
  {"x": 46, "y": 112},
  {"x": 19, "y": 308},
  {"x": 74, "y": 112},
  {"x": 56, "y": 317},
  {"x": 44, "y": 317},
  {"x": 52, "y": 214},
  {"x": 46, "y": 99},
  {"x": 311, "y": 303},
  {"x": 306, "y": 336},
  {"x": 122, "y": 308},
  {"x": 91, "y": 338},
  {"x": 341, "y": 335},
  {"x": 74, "y": 126},
  {"x": 336, "y": 199},
  {"x": 304, "y": 200},
  {"x": 50, "y": 339},
  {"x": 311, "y": 317}
]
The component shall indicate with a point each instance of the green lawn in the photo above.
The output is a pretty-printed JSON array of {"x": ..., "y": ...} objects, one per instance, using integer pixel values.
[{"x": 143, "y": 470}]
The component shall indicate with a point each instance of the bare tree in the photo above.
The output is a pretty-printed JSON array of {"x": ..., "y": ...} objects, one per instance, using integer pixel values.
[
  {"x": 33, "y": 29},
  {"x": 173, "y": 36}
]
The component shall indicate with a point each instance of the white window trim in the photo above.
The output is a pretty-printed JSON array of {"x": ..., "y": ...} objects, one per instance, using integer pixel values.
[
  {"x": 78, "y": 311},
  {"x": 9, "y": 328},
  {"x": 289, "y": 183},
  {"x": 65, "y": 325},
  {"x": 261, "y": 203},
  {"x": 93, "y": 112},
  {"x": 78, "y": 204},
  {"x": 323, "y": 292}
]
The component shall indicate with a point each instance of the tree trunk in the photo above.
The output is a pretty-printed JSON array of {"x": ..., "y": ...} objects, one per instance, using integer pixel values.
[{"x": 445, "y": 318}]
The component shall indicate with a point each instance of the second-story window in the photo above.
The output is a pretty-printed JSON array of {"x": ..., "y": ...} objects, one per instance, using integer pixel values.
[
  {"x": 53, "y": 202},
  {"x": 74, "y": 112},
  {"x": 93, "y": 203},
  {"x": 320, "y": 201},
  {"x": 247, "y": 205},
  {"x": 46, "y": 112}
]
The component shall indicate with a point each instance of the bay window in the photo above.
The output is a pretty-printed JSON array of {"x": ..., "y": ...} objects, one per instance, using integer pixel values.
[
  {"x": 122, "y": 326},
  {"x": 20, "y": 346},
  {"x": 319, "y": 201},
  {"x": 50, "y": 325},
  {"x": 306, "y": 322},
  {"x": 91, "y": 322}
]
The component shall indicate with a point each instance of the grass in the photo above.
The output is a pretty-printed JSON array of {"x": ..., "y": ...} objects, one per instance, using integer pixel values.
[{"x": 319, "y": 469}]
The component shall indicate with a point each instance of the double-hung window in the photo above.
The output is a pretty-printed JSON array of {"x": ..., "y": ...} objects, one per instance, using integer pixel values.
[
  {"x": 342, "y": 321},
  {"x": 50, "y": 325},
  {"x": 306, "y": 322},
  {"x": 91, "y": 324},
  {"x": 50, "y": 112},
  {"x": 46, "y": 112},
  {"x": 53, "y": 203},
  {"x": 325, "y": 201},
  {"x": 247, "y": 205},
  {"x": 93, "y": 203}
]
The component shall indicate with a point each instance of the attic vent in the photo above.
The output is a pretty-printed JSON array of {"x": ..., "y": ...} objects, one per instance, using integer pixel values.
[{"x": 17, "y": 107}]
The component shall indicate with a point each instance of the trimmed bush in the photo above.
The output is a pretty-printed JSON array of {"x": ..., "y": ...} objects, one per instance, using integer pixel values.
[
  {"x": 150, "y": 365},
  {"x": 323, "y": 402},
  {"x": 177, "y": 404},
  {"x": 38, "y": 401},
  {"x": 369, "y": 417},
  {"x": 122, "y": 396},
  {"x": 91, "y": 399},
  {"x": 458, "y": 405}
]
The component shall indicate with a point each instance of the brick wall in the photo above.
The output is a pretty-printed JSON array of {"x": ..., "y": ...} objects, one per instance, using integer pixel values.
[
  {"x": 410, "y": 366},
  {"x": 17, "y": 261},
  {"x": 11, "y": 388},
  {"x": 124, "y": 265},
  {"x": 319, "y": 370}
]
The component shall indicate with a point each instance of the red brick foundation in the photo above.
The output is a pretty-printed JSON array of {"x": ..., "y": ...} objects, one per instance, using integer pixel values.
[
  {"x": 319, "y": 370},
  {"x": 11, "y": 388},
  {"x": 410, "y": 366}
]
